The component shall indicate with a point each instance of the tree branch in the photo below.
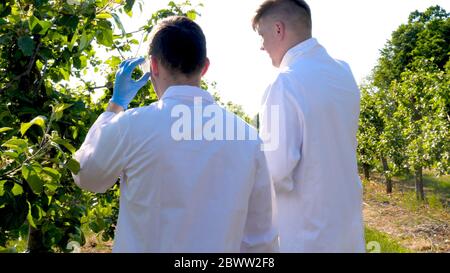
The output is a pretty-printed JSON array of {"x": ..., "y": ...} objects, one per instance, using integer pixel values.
[{"x": 120, "y": 52}]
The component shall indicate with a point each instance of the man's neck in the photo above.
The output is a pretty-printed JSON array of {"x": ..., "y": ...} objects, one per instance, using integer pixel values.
[
  {"x": 167, "y": 85},
  {"x": 296, "y": 41}
]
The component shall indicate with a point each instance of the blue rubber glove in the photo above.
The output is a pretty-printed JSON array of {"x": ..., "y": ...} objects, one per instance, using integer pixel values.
[{"x": 125, "y": 88}]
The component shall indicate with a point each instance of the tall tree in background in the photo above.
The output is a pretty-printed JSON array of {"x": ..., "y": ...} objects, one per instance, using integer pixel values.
[
  {"x": 425, "y": 36},
  {"x": 411, "y": 94}
]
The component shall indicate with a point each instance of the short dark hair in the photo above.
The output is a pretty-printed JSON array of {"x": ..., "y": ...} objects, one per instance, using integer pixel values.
[
  {"x": 297, "y": 7},
  {"x": 179, "y": 44}
]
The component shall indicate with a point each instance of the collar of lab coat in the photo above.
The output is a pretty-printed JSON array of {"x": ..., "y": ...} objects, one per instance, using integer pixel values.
[
  {"x": 187, "y": 92},
  {"x": 297, "y": 51}
]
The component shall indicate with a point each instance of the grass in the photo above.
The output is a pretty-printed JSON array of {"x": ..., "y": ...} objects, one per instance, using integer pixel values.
[
  {"x": 416, "y": 225},
  {"x": 379, "y": 242},
  {"x": 437, "y": 185},
  {"x": 437, "y": 193}
]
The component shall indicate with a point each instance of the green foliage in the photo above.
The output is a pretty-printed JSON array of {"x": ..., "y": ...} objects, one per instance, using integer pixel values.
[
  {"x": 102, "y": 217},
  {"x": 422, "y": 97},
  {"x": 44, "y": 116},
  {"x": 36, "y": 186},
  {"x": 405, "y": 107},
  {"x": 370, "y": 127},
  {"x": 425, "y": 36}
]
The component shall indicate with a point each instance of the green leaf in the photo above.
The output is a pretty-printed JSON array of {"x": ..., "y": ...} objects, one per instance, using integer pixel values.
[
  {"x": 73, "y": 166},
  {"x": 26, "y": 45},
  {"x": 19, "y": 145},
  {"x": 59, "y": 110},
  {"x": 46, "y": 53},
  {"x": 38, "y": 26},
  {"x": 51, "y": 188},
  {"x": 73, "y": 41},
  {"x": 105, "y": 34},
  {"x": 54, "y": 174},
  {"x": 64, "y": 73},
  {"x": 39, "y": 65},
  {"x": 119, "y": 23},
  {"x": 45, "y": 26},
  {"x": 192, "y": 14},
  {"x": 2, "y": 190},
  {"x": 11, "y": 154},
  {"x": 74, "y": 132},
  {"x": 129, "y": 6},
  {"x": 5, "y": 129},
  {"x": 103, "y": 16},
  {"x": 30, "y": 217},
  {"x": 5, "y": 39},
  {"x": 37, "y": 212},
  {"x": 69, "y": 21},
  {"x": 65, "y": 143},
  {"x": 29, "y": 172},
  {"x": 32, "y": 22},
  {"x": 113, "y": 62},
  {"x": 105, "y": 37},
  {"x": 84, "y": 41},
  {"x": 40, "y": 121},
  {"x": 17, "y": 189}
]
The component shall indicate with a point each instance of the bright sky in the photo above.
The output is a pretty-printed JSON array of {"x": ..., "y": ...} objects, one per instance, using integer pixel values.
[{"x": 351, "y": 30}]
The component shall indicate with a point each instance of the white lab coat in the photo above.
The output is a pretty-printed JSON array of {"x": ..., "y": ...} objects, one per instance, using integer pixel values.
[
  {"x": 180, "y": 196},
  {"x": 314, "y": 167}
]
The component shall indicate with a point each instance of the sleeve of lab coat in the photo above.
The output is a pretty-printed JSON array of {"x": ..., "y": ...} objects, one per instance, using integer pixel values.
[
  {"x": 103, "y": 154},
  {"x": 261, "y": 234},
  {"x": 282, "y": 132}
]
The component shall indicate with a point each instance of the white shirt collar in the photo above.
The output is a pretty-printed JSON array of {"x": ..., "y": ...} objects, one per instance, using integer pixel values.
[
  {"x": 298, "y": 50},
  {"x": 187, "y": 92}
]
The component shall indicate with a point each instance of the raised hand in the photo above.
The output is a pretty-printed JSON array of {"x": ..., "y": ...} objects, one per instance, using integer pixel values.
[{"x": 125, "y": 88}]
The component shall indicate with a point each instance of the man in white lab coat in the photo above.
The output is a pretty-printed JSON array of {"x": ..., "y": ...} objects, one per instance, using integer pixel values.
[
  {"x": 309, "y": 121},
  {"x": 183, "y": 187}
]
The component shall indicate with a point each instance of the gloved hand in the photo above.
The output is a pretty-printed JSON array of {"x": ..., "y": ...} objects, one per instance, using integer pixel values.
[{"x": 125, "y": 88}]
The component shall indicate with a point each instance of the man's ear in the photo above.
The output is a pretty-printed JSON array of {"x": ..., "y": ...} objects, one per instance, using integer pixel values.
[
  {"x": 206, "y": 67},
  {"x": 154, "y": 66},
  {"x": 280, "y": 30}
]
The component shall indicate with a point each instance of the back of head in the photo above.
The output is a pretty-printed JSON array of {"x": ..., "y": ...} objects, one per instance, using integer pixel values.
[
  {"x": 180, "y": 45},
  {"x": 296, "y": 13}
]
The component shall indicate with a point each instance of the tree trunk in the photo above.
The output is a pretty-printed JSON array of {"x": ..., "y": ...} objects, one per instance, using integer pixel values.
[
  {"x": 386, "y": 175},
  {"x": 366, "y": 171},
  {"x": 35, "y": 241},
  {"x": 419, "y": 185}
]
